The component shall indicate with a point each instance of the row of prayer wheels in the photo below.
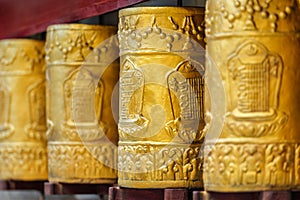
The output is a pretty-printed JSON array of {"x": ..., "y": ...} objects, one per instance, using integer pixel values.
[{"x": 164, "y": 115}]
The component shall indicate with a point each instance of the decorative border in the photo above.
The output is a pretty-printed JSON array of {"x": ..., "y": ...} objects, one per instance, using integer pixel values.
[
  {"x": 180, "y": 32},
  {"x": 251, "y": 15},
  {"x": 160, "y": 165},
  {"x": 22, "y": 57},
  {"x": 234, "y": 167},
  {"x": 74, "y": 44},
  {"x": 82, "y": 162},
  {"x": 23, "y": 161}
]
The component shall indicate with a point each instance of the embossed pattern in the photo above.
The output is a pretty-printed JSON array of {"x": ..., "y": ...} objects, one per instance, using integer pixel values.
[
  {"x": 161, "y": 123},
  {"x": 167, "y": 29},
  {"x": 251, "y": 15},
  {"x": 23, "y": 153},
  {"x": 256, "y": 166},
  {"x": 85, "y": 163},
  {"x": 82, "y": 133},
  {"x": 256, "y": 105},
  {"x": 18, "y": 158},
  {"x": 254, "y": 46},
  {"x": 139, "y": 163}
]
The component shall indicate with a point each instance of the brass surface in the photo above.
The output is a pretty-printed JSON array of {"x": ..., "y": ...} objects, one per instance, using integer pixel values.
[
  {"x": 255, "y": 45},
  {"x": 82, "y": 134},
  {"x": 161, "y": 118},
  {"x": 23, "y": 154}
]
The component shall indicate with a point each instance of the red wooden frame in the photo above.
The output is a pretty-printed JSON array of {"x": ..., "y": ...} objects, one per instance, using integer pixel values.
[{"x": 19, "y": 18}]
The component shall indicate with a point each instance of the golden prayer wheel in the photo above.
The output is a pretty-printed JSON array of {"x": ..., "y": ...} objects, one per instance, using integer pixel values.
[
  {"x": 23, "y": 153},
  {"x": 82, "y": 134},
  {"x": 161, "y": 118},
  {"x": 255, "y": 45}
]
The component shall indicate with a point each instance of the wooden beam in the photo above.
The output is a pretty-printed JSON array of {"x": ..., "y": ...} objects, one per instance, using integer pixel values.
[{"x": 19, "y": 18}]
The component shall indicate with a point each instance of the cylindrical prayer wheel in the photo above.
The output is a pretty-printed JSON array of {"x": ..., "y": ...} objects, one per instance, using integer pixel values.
[
  {"x": 82, "y": 133},
  {"x": 161, "y": 118},
  {"x": 23, "y": 154},
  {"x": 255, "y": 46}
]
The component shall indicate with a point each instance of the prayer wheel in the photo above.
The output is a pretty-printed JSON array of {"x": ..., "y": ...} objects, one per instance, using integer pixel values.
[
  {"x": 161, "y": 118},
  {"x": 255, "y": 46},
  {"x": 82, "y": 133},
  {"x": 23, "y": 153}
]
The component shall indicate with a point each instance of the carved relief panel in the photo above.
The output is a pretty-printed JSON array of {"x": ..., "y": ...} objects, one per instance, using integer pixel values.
[
  {"x": 6, "y": 128},
  {"x": 83, "y": 95},
  {"x": 186, "y": 85},
  {"x": 255, "y": 75},
  {"x": 37, "y": 128}
]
